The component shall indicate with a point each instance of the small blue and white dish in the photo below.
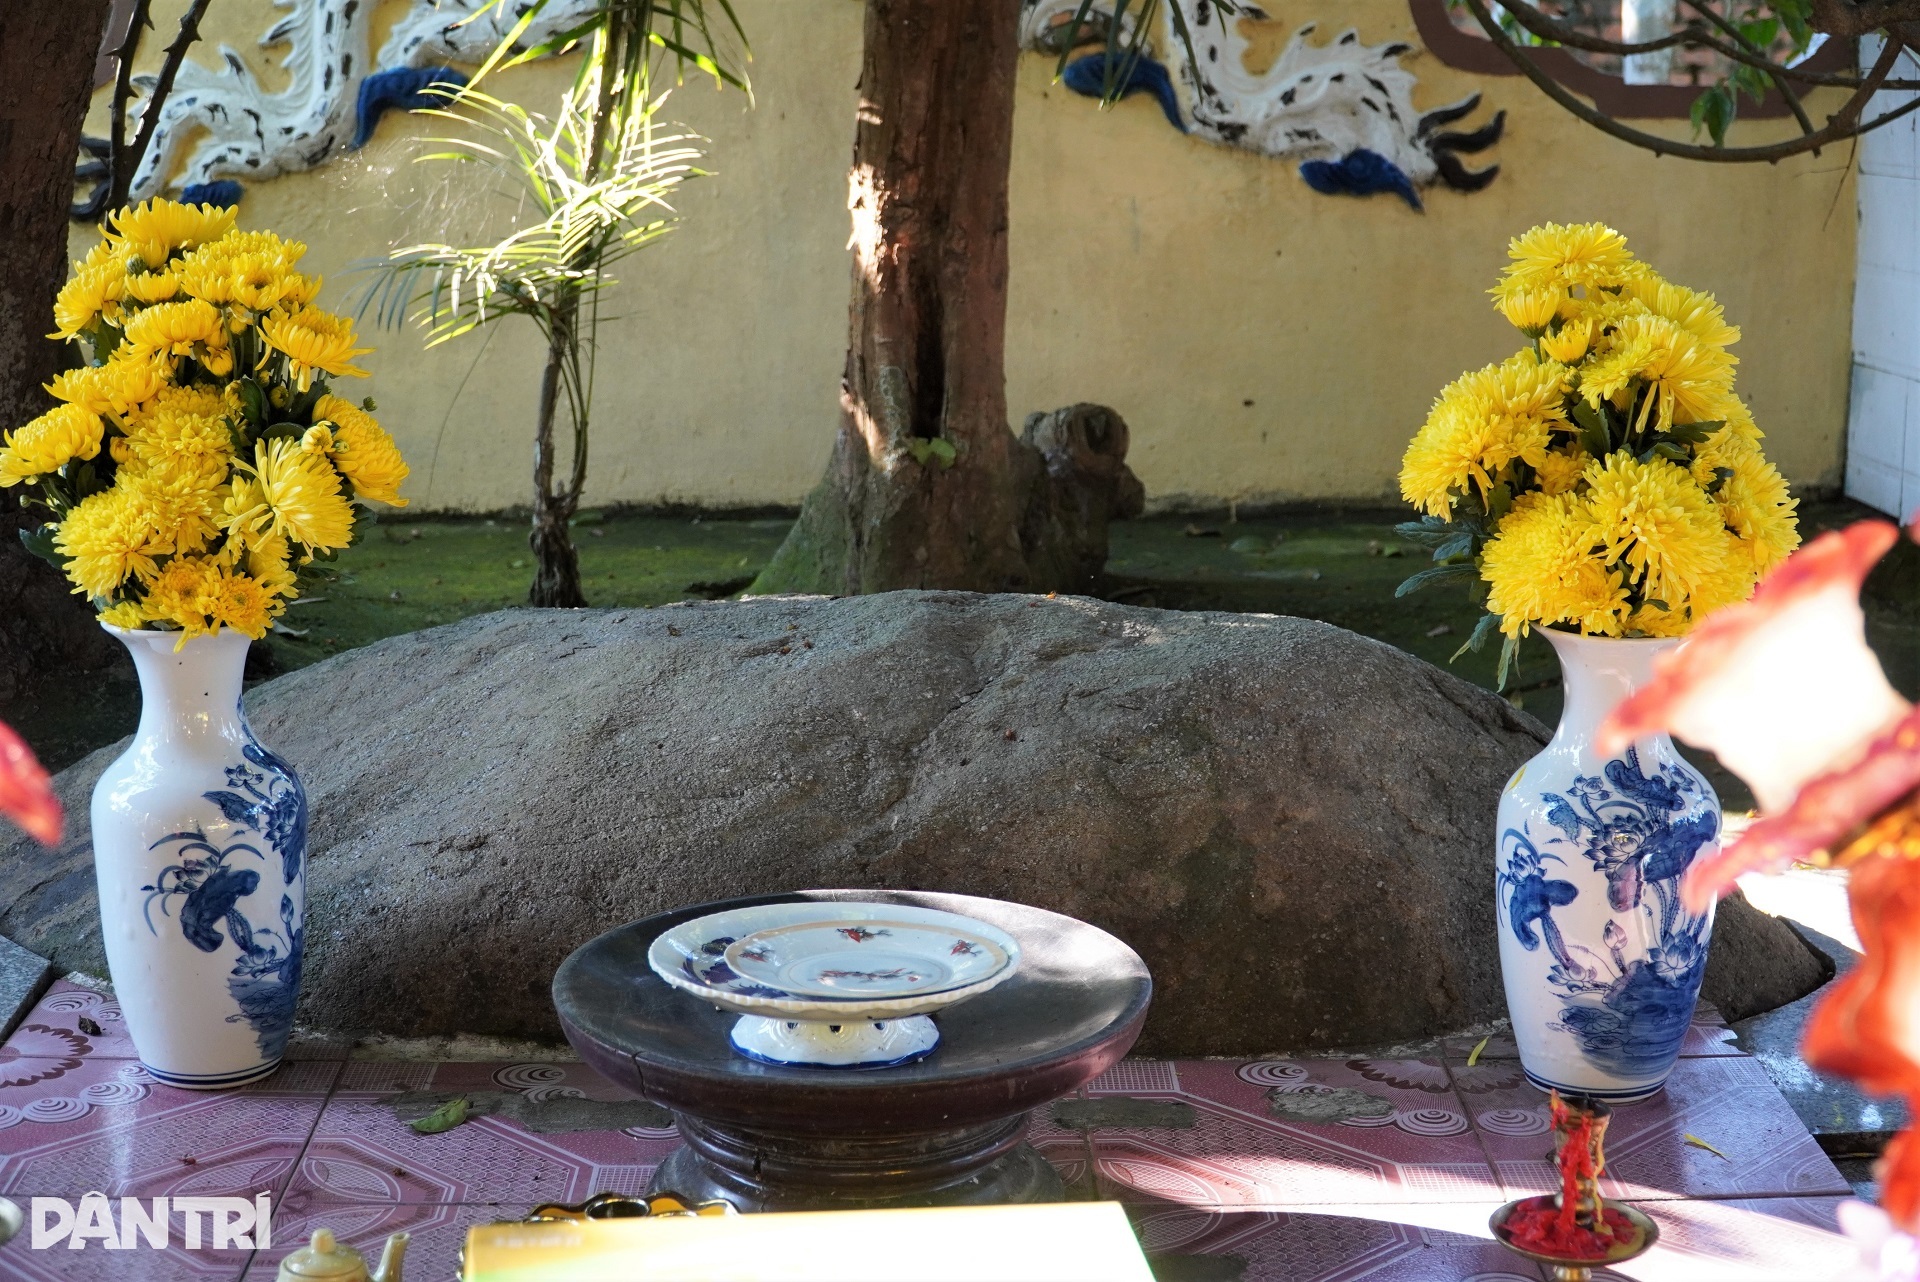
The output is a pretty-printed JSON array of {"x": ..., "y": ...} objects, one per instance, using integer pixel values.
[{"x": 835, "y": 984}]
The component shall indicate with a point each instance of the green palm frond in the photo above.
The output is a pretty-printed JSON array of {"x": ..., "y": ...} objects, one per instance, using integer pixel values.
[
  {"x": 682, "y": 29},
  {"x": 588, "y": 218}
]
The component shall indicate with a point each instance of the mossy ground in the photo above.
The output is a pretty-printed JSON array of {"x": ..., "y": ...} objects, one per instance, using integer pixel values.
[{"x": 1341, "y": 567}]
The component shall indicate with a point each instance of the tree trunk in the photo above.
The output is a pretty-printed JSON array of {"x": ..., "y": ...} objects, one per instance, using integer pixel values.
[
  {"x": 556, "y": 563},
  {"x": 927, "y": 487},
  {"x": 47, "y": 54}
]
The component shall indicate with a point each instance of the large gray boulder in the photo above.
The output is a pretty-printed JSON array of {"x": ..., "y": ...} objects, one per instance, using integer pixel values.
[{"x": 1291, "y": 823}]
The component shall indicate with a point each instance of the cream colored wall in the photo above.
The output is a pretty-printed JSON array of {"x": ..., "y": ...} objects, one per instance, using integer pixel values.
[{"x": 1171, "y": 279}]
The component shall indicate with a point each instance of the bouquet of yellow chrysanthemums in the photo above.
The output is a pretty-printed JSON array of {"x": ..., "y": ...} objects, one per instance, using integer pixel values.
[
  {"x": 1605, "y": 479},
  {"x": 200, "y": 459}
]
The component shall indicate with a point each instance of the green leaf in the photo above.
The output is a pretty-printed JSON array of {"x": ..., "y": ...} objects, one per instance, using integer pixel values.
[
  {"x": 1594, "y": 437},
  {"x": 283, "y": 430},
  {"x": 1694, "y": 433},
  {"x": 1714, "y": 111},
  {"x": 1499, "y": 502},
  {"x": 1438, "y": 574},
  {"x": 253, "y": 402},
  {"x": 444, "y": 1118},
  {"x": 1455, "y": 547},
  {"x": 936, "y": 448},
  {"x": 40, "y": 542},
  {"x": 1482, "y": 633},
  {"x": 1721, "y": 475},
  {"x": 1428, "y": 531},
  {"x": 1509, "y": 662}
]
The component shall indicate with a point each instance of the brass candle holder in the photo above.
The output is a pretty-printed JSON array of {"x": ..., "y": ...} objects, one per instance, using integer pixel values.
[{"x": 1575, "y": 1230}]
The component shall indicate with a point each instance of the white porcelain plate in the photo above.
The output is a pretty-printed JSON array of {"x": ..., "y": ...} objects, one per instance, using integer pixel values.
[
  {"x": 834, "y": 961},
  {"x": 866, "y": 957}
]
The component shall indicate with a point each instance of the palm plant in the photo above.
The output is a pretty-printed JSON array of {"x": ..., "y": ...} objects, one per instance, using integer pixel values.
[{"x": 596, "y": 175}]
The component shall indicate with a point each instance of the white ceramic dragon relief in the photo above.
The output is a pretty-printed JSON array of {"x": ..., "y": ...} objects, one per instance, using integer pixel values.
[
  {"x": 239, "y": 129},
  {"x": 1344, "y": 108}
]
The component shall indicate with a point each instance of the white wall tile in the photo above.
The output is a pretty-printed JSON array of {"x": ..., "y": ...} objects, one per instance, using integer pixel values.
[
  {"x": 1877, "y": 422},
  {"x": 1883, "y": 419},
  {"x": 1886, "y": 320},
  {"x": 1910, "y": 458},
  {"x": 1889, "y": 222}
]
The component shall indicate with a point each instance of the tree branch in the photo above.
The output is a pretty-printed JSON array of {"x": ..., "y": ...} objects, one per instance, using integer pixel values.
[
  {"x": 122, "y": 92},
  {"x": 1693, "y": 35},
  {"x": 1768, "y": 65},
  {"x": 1842, "y": 124},
  {"x": 150, "y": 115}
]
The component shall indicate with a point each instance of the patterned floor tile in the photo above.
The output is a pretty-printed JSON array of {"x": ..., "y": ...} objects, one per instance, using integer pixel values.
[
  {"x": 1330, "y": 1244},
  {"x": 104, "y": 1124},
  {"x": 363, "y": 1154},
  {"x": 86, "y": 1019},
  {"x": 436, "y": 1234},
  {"x": 19, "y": 1263},
  {"x": 1727, "y": 1101},
  {"x": 1282, "y": 1133},
  {"x": 1785, "y": 1239}
]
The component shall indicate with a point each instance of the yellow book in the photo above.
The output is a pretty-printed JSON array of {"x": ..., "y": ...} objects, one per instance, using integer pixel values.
[{"x": 1060, "y": 1242}]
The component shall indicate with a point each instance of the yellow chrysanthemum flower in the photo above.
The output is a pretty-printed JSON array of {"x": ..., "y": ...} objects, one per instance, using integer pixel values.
[
  {"x": 1697, "y": 313},
  {"x": 94, "y": 292},
  {"x": 1569, "y": 344},
  {"x": 179, "y": 448},
  {"x": 314, "y": 341},
  {"x": 61, "y": 435},
  {"x": 190, "y": 327},
  {"x": 1481, "y": 422},
  {"x": 181, "y": 594},
  {"x": 177, "y": 503},
  {"x": 1756, "y": 506},
  {"x": 127, "y": 614},
  {"x": 1591, "y": 255},
  {"x": 270, "y": 563},
  {"x": 1561, "y": 470},
  {"x": 201, "y": 596},
  {"x": 362, "y": 450},
  {"x": 1528, "y": 309},
  {"x": 289, "y": 492},
  {"x": 152, "y": 231},
  {"x": 108, "y": 538},
  {"x": 1689, "y": 379},
  {"x": 253, "y": 270},
  {"x": 299, "y": 291},
  {"x": 1540, "y": 568},
  {"x": 118, "y": 388},
  {"x": 1657, "y": 520},
  {"x": 151, "y": 287}
]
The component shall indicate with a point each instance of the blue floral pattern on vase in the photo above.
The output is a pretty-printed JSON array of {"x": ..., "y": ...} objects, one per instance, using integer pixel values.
[
  {"x": 264, "y": 798},
  {"x": 1627, "y": 1008}
]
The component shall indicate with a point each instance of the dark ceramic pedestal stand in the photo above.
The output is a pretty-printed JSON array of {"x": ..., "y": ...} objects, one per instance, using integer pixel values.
[{"x": 947, "y": 1131}]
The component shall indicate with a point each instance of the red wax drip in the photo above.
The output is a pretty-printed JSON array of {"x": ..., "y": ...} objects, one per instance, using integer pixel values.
[
  {"x": 1539, "y": 1226},
  {"x": 1546, "y": 1229}
]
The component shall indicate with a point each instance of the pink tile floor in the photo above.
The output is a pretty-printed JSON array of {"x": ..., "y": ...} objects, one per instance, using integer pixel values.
[{"x": 1235, "y": 1181}]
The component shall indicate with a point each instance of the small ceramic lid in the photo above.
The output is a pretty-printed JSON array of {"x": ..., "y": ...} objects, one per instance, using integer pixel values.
[{"x": 324, "y": 1258}]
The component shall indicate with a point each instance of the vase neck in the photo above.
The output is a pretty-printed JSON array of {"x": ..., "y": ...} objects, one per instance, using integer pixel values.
[
  {"x": 189, "y": 695},
  {"x": 1598, "y": 673}
]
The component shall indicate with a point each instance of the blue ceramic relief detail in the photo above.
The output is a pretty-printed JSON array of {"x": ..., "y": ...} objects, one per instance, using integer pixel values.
[
  {"x": 264, "y": 801},
  {"x": 1627, "y": 1009}
]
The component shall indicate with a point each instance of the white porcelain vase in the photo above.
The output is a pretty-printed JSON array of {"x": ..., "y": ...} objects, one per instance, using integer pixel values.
[
  {"x": 199, "y": 841},
  {"x": 1602, "y": 961}
]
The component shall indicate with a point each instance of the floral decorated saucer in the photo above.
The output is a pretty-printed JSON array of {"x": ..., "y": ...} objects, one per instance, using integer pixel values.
[{"x": 834, "y": 984}]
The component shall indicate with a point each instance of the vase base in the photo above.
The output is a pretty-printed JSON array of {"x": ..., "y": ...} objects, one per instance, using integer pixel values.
[
  {"x": 211, "y": 1081},
  {"x": 1606, "y": 1094}
]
